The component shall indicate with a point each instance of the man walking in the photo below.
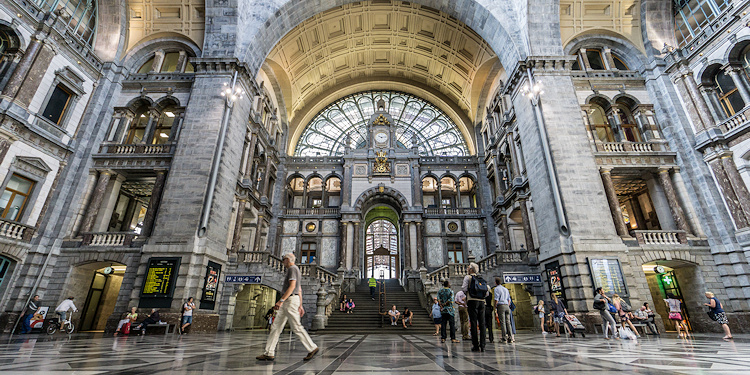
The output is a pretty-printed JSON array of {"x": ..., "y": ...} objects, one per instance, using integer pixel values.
[
  {"x": 463, "y": 314},
  {"x": 289, "y": 308},
  {"x": 476, "y": 291},
  {"x": 502, "y": 308},
  {"x": 31, "y": 309},
  {"x": 445, "y": 299},
  {"x": 373, "y": 285}
]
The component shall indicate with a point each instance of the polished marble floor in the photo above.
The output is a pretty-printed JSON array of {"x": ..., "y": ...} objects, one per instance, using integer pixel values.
[{"x": 234, "y": 353}]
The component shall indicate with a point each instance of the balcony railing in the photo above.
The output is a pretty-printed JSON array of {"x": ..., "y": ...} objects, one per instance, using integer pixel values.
[
  {"x": 735, "y": 121},
  {"x": 274, "y": 262},
  {"x": 112, "y": 239},
  {"x": 451, "y": 211},
  {"x": 629, "y": 147},
  {"x": 486, "y": 265},
  {"x": 137, "y": 149},
  {"x": 660, "y": 237},
  {"x": 311, "y": 211},
  {"x": 16, "y": 231}
]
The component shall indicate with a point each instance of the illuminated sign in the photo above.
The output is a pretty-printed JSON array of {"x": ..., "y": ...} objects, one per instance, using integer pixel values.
[
  {"x": 607, "y": 274},
  {"x": 160, "y": 277}
]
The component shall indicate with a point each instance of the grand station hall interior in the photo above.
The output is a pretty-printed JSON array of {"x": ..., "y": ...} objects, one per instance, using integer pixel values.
[{"x": 157, "y": 150}]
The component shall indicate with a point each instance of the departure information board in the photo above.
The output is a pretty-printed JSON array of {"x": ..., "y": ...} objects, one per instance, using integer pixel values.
[
  {"x": 160, "y": 277},
  {"x": 608, "y": 275}
]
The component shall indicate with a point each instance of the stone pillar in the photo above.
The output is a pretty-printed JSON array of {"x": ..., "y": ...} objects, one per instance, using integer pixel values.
[
  {"x": 158, "y": 60},
  {"x": 528, "y": 236},
  {"x": 674, "y": 204},
  {"x": 692, "y": 110},
  {"x": 237, "y": 234},
  {"x": 153, "y": 202},
  {"x": 614, "y": 203},
  {"x": 420, "y": 245},
  {"x": 734, "y": 72},
  {"x": 730, "y": 197},
  {"x": 356, "y": 248},
  {"x": 703, "y": 111},
  {"x": 22, "y": 69},
  {"x": 4, "y": 146},
  {"x": 498, "y": 177},
  {"x": 108, "y": 204},
  {"x": 148, "y": 133},
  {"x": 349, "y": 253},
  {"x": 660, "y": 203},
  {"x": 250, "y": 155},
  {"x": 413, "y": 245},
  {"x": 737, "y": 183},
  {"x": 682, "y": 194},
  {"x": 96, "y": 200},
  {"x": 258, "y": 232},
  {"x": 709, "y": 95},
  {"x": 506, "y": 232},
  {"x": 406, "y": 245}
]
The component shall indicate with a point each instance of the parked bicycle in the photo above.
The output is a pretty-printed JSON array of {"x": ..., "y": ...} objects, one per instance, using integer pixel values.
[{"x": 54, "y": 324}]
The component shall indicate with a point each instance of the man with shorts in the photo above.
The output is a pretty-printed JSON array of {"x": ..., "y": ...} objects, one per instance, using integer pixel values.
[{"x": 187, "y": 314}]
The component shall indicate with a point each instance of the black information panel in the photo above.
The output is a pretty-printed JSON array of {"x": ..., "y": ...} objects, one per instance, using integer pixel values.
[
  {"x": 211, "y": 285},
  {"x": 607, "y": 274},
  {"x": 159, "y": 282},
  {"x": 554, "y": 278}
]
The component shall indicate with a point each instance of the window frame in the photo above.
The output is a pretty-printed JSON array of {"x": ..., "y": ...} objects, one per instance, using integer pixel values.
[
  {"x": 724, "y": 97},
  {"x": 305, "y": 250},
  {"x": 22, "y": 213},
  {"x": 64, "y": 111},
  {"x": 453, "y": 248}
]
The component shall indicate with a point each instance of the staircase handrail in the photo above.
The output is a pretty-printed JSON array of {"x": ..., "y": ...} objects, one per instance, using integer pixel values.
[{"x": 382, "y": 301}]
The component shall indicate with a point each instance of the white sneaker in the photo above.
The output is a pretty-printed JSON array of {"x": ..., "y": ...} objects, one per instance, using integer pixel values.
[{"x": 544, "y": 332}]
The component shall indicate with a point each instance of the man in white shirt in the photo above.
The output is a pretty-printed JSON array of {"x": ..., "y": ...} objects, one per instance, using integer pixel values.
[
  {"x": 463, "y": 314},
  {"x": 502, "y": 309},
  {"x": 63, "y": 308},
  {"x": 187, "y": 314},
  {"x": 394, "y": 314}
]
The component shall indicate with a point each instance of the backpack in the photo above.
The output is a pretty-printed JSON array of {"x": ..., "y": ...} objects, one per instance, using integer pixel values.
[
  {"x": 624, "y": 306},
  {"x": 536, "y": 309},
  {"x": 478, "y": 287}
]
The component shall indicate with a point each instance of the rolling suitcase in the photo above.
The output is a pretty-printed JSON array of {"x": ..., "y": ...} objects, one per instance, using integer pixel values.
[{"x": 125, "y": 328}]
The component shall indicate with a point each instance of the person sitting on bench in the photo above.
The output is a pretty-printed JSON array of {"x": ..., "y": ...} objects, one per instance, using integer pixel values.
[
  {"x": 151, "y": 319},
  {"x": 641, "y": 316}
]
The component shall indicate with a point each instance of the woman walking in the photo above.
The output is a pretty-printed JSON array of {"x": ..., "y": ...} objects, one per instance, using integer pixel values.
[
  {"x": 436, "y": 316},
  {"x": 558, "y": 310},
  {"x": 601, "y": 302},
  {"x": 621, "y": 306},
  {"x": 539, "y": 310},
  {"x": 717, "y": 313},
  {"x": 675, "y": 314}
]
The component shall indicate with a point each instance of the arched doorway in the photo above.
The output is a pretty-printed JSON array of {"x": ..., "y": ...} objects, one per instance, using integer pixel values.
[
  {"x": 381, "y": 252},
  {"x": 95, "y": 288}
]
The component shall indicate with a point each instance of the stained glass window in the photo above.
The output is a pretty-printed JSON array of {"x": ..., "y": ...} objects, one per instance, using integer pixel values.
[{"x": 414, "y": 118}]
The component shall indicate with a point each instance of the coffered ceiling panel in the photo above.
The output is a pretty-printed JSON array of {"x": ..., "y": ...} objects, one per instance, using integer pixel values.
[
  {"x": 147, "y": 18},
  {"x": 620, "y": 16},
  {"x": 380, "y": 39}
]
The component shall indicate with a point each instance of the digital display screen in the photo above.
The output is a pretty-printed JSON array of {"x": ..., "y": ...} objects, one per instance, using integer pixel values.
[
  {"x": 607, "y": 274},
  {"x": 160, "y": 277}
]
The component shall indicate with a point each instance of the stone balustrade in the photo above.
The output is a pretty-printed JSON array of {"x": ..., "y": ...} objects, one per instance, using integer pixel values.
[
  {"x": 311, "y": 211},
  {"x": 628, "y": 147},
  {"x": 451, "y": 211},
  {"x": 739, "y": 119},
  {"x": 137, "y": 149},
  {"x": 109, "y": 239},
  {"x": 486, "y": 265},
  {"x": 16, "y": 231},
  {"x": 660, "y": 237}
]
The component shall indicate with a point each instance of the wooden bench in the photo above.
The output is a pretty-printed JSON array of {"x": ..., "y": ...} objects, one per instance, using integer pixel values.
[
  {"x": 636, "y": 324},
  {"x": 168, "y": 327}
]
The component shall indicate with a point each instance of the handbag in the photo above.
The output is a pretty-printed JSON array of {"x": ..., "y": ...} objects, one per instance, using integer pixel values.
[
  {"x": 712, "y": 315},
  {"x": 599, "y": 305},
  {"x": 675, "y": 316},
  {"x": 612, "y": 309}
]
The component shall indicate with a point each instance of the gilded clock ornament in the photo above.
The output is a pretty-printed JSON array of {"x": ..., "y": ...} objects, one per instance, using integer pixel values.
[
  {"x": 381, "y": 163},
  {"x": 310, "y": 227}
]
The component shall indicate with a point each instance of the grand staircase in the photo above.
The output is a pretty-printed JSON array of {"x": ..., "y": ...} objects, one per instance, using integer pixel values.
[{"x": 365, "y": 318}]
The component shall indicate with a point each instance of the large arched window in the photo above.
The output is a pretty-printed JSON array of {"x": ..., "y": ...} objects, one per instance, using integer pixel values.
[
  {"x": 692, "y": 16},
  {"x": 82, "y": 16},
  {"x": 729, "y": 97},
  {"x": 435, "y": 132},
  {"x": 600, "y": 124},
  {"x": 381, "y": 249}
]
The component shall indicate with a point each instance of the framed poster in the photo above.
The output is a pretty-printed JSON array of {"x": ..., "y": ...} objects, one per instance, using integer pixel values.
[
  {"x": 210, "y": 285},
  {"x": 554, "y": 278},
  {"x": 37, "y": 320},
  {"x": 607, "y": 274},
  {"x": 159, "y": 282}
]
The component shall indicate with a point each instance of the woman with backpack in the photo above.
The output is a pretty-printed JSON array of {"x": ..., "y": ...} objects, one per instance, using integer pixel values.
[
  {"x": 558, "y": 311},
  {"x": 601, "y": 303},
  {"x": 623, "y": 311}
]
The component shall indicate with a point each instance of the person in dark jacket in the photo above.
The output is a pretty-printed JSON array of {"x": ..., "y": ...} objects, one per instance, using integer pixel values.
[
  {"x": 31, "y": 308},
  {"x": 489, "y": 315},
  {"x": 151, "y": 319}
]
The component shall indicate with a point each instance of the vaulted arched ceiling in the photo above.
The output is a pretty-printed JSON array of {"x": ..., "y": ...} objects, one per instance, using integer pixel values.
[
  {"x": 369, "y": 41},
  {"x": 579, "y": 17},
  {"x": 149, "y": 19}
]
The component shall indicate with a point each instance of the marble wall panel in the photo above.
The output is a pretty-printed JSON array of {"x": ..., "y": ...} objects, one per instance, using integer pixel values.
[
  {"x": 473, "y": 226},
  {"x": 432, "y": 226},
  {"x": 475, "y": 246},
  {"x": 330, "y": 226},
  {"x": 288, "y": 245},
  {"x": 291, "y": 226},
  {"x": 434, "y": 251},
  {"x": 328, "y": 252}
]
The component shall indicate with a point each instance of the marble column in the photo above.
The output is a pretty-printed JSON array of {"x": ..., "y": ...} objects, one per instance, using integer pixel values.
[
  {"x": 703, "y": 111},
  {"x": 709, "y": 94},
  {"x": 738, "y": 184},
  {"x": 682, "y": 194},
  {"x": 343, "y": 245},
  {"x": 250, "y": 155},
  {"x": 22, "y": 68},
  {"x": 730, "y": 197},
  {"x": 413, "y": 245},
  {"x": 691, "y": 107},
  {"x": 614, "y": 203},
  {"x": 349, "y": 246},
  {"x": 258, "y": 232},
  {"x": 529, "y": 237},
  {"x": 237, "y": 234},
  {"x": 674, "y": 204},
  {"x": 498, "y": 177},
  {"x": 97, "y": 197},
  {"x": 734, "y": 72},
  {"x": 406, "y": 245},
  {"x": 107, "y": 208},
  {"x": 153, "y": 202},
  {"x": 420, "y": 246},
  {"x": 506, "y": 232},
  {"x": 4, "y": 146}
]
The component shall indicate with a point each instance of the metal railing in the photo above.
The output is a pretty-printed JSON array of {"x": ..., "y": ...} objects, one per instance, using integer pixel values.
[{"x": 15, "y": 230}]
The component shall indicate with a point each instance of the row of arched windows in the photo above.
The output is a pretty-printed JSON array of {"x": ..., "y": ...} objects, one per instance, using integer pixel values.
[
  {"x": 145, "y": 122},
  {"x": 613, "y": 122},
  {"x": 314, "y": 191},
  {"x": 449, "y": 192},
  {"x": 727, "y": 86}
]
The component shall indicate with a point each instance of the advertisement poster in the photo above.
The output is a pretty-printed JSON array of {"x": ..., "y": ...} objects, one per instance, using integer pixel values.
[
  {"x": 37, "y": 321},
  {"x": 213, "y": 272},
  {"x": 554, "y": 278}
]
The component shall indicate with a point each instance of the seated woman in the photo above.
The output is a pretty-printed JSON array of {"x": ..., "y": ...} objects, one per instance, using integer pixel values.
[
  {"x": 342, "y": 304},
  {"x": 130, "y": 318},
  {"x": 406, "y": 317},
  {"x": 349, "y": 306},
  {"x": 151, "y": 319},
  {"x": 394, "y": 315}
]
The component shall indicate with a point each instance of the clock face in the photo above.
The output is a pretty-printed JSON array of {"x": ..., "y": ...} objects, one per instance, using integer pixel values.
[{"x": 381, "y": 137}]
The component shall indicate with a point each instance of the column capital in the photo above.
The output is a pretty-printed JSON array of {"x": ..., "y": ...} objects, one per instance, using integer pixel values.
[
  {"x": 605, "y": 170},
  {"x": 731, "y": 68},
  {"x": 664, "y": 170}
]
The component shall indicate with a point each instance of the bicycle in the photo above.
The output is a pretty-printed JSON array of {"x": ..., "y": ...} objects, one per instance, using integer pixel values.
[{"x": 54, "y": 324}]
